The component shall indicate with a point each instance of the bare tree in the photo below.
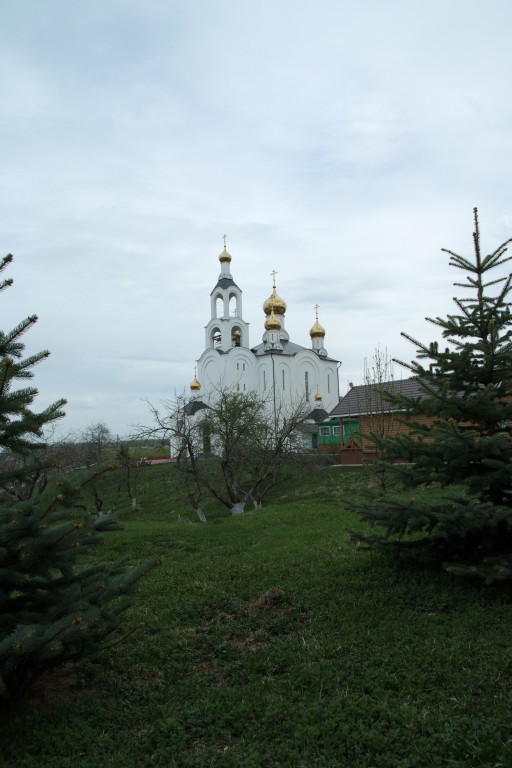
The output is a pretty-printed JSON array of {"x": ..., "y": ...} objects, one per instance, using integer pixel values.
[
  {"x": 233, "y": 450},
  {"x": 130, "y": 468},
  {"x": 24, "y": 476},
  {"x": 378, "y": 421},
  {"x": 96, "y": 438}
]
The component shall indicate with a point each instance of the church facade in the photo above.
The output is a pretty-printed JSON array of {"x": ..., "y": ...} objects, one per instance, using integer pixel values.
[{"x": 280, "y": 371}]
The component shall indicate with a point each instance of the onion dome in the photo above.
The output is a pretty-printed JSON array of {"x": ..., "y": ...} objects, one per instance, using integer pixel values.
[
  {"x": 317, "y": 330},
  {"x": 195, "y": 385},
  {"x": 272, "y": 323},
  {"x": 318, "y": 396},
  {"x": 274, "y": 302},
  {"x": 225, "y": 255}
]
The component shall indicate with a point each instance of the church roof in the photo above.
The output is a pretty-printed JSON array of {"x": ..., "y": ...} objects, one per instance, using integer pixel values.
[
  {"x": 365, "y": 399},
  {"x": 289, "y": 348},
  {"x": 194, "y": 406},
  {"x": 225, "y": 282},
  {"x": 316, "y": 415}
]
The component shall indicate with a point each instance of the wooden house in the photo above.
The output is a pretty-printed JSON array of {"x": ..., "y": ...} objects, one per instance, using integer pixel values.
[{"x": 363, "y": 411}]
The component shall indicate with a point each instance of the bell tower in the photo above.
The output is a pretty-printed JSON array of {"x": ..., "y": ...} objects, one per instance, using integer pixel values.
[{"x": 227, "y": 328}]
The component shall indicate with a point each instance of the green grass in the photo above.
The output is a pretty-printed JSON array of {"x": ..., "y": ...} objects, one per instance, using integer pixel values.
[{"x": 271, "y": 639}]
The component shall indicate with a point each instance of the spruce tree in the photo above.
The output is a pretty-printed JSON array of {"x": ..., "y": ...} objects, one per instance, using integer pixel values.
[
  {"x": 53, "y": 607},
  {"x": 457, "y": 435}
]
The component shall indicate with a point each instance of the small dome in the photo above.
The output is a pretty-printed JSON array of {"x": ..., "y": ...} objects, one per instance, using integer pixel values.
[
  {"x": 272, "y": 323},
  {"x": 195, "y": 386},
  {"x": 317, "y": 330},
  {"x": 318, "y": 396},
  {"x": 274, "y": 303},
  {"x": 225, "y": 255}
]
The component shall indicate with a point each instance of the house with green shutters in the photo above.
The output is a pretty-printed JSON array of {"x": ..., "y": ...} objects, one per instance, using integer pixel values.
[{"x": 362, "y": 411}]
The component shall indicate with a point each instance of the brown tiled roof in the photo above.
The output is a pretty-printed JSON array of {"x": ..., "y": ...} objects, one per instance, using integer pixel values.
[{"x": 366, "y": 398}]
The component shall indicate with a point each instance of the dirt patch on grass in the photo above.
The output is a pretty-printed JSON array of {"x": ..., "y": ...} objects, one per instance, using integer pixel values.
[
  {"x": 271, "y": 600},
  {"x": 253, "y": 625}
]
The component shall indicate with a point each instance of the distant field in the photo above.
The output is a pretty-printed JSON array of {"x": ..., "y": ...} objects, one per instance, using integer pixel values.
[{"x": 271, "y": 639}]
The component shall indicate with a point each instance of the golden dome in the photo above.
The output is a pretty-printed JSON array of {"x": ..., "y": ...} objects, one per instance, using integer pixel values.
[
  {"x": 318, "y": 396},
  {"x": 274, "y": 303},
  {"x": 272, "y": 323},
  {"x": 225, "y": 255},
  {"x": 195, "y": 386},
  {"x": 317, "y": 330}
]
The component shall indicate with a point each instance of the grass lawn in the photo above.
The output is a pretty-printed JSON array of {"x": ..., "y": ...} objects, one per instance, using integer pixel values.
[{"x": 271, "y": 639}]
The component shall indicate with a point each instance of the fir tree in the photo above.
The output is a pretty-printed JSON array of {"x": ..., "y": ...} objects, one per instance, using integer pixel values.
[
  {"x": 457, "y": 435},
  {"x": 52, "y": 608}
]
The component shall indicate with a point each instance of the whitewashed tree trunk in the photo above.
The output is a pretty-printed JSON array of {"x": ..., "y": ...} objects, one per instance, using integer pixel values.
[
  {"x": 238, "y": 508},
  {"x": 201, "y": 515}
]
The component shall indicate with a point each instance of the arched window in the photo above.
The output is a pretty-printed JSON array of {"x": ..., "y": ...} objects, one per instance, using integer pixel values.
[
  {"x": 233, "y": 306},
  {"x": 236, "y": 336},
  {"x": 215, "y": 338},
  {"x": 306, "y": 385},
  {"x": 283, "y": 378},
  {"x": 219, "y": 307}
]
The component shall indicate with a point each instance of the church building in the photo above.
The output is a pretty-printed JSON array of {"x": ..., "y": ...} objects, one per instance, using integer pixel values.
[{"x": 280, "y": 371}]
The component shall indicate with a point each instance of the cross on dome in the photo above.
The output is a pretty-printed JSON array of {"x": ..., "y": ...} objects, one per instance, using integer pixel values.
[{"x": 274, "y": 303}]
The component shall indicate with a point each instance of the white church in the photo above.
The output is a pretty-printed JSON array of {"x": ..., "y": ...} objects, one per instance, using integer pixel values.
[{"x": 278, "y": 370}]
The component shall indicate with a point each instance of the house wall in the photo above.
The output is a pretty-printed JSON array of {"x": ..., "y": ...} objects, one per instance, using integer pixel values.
[
  {"x": 386, "y": 425},
  {"x": 353, "y": 440}
]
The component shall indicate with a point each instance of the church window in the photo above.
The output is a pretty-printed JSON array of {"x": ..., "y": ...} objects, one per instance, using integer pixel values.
[
  {"x": 329, "y": 383},
  {"x": 283, "y": 378},
  {"x": 238, "y": 387},
  {"x": 233, "y": 306},
  {"x": 238, "y": 366},
  {"x": 219, "y": 307},
  {"x": 216, "y": 337},
  {"x": 235, "y": 336},
  {"x": 306, "y": 385},
  {"x": 243, "y": 366},
  {"x": 264, "y": 381}
]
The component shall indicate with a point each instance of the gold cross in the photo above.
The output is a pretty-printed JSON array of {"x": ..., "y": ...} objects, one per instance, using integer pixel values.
[
  {"x": 274, "y": 273},
  {"x": 316, "y": 308},
  {"x": 224, "y": 236}
]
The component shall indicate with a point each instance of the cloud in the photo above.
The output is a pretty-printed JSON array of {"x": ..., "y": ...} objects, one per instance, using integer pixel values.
[{"x": 341, "y": 145}]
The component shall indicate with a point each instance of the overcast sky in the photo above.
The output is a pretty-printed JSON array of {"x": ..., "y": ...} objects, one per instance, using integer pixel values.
[{"x": 340, "y": 143}]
